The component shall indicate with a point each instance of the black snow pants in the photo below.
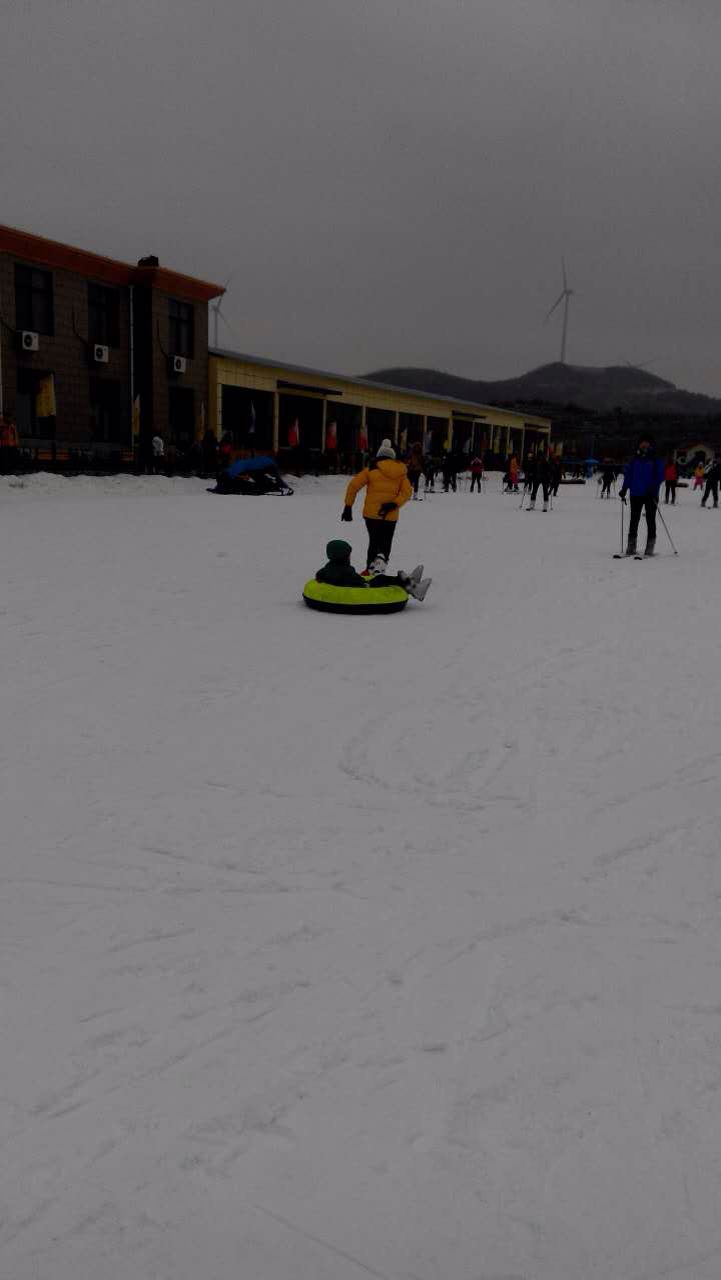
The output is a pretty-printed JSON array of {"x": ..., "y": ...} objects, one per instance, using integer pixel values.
[
  {"x": 671, "y": 491},
  {"x": 476, "y": 480},
  {"x": 536, "y": 486},
  {"x": 711, "y": 490},
  {"x": 637, "y": 506},
  {"x": 380, "y": 539}
]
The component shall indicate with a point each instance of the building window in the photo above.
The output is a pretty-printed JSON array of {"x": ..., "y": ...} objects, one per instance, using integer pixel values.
[
  {"x": 180, "y": 325},
  {"x": 181, "y": 416},
  {"x": 34, "y": 300},
  {"x": 103, "y": 315},
  {"x": 35, "y": 407},
  {"x": 106, "y": 411}
]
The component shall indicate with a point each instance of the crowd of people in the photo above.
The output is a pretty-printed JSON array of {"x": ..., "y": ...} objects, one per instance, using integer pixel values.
[
  {"x": 390, "y": 483},
  {"x": 426, "y": 471}
]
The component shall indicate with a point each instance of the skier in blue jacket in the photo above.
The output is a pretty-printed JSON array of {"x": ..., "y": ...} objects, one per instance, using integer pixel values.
[{"x": 642, "y": 478}]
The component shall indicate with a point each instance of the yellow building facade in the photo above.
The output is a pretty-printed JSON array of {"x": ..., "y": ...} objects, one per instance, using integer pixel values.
[{"x": 266, "y": 404}]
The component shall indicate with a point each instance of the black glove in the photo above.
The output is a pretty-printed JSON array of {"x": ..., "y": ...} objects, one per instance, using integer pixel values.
[
  {"x": 347, "y": 514},
  {"x": 386, "y": 508},
  {"x": 622, "y": 495}
]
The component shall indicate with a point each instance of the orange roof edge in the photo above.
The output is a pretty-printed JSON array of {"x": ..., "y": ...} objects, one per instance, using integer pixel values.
[{"x": 65, "y": 257}]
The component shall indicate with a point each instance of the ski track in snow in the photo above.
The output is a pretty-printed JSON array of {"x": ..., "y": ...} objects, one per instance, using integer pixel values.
[{"x": 338, "y": 947}]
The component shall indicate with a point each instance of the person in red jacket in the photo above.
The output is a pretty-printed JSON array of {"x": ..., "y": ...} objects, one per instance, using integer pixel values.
[
  {"x": 670, "y": 476},
  {"x": 476, "y": 473}
]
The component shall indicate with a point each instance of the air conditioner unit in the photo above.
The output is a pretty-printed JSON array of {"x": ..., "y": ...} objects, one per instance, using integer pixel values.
[
  {"x": 29, "y": 341},
  {"x": 179, "y": 364},
  {"x": 100, "y": 354}
]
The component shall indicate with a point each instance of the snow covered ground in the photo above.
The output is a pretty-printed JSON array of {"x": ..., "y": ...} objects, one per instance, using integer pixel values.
[{"x": 345, "y": 947}]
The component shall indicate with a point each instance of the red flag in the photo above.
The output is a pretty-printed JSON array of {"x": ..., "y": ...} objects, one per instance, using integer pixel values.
[
  {"x": 331, "y": 441},
  {"x": 294, "y": 434}
]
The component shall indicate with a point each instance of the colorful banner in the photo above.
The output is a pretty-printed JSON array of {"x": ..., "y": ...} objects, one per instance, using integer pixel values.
[{"x": 45, "y": 403}]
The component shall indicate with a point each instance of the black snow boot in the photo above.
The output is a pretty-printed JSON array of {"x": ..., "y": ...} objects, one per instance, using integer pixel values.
[
  {"x": 631, "y": 547},
  {"x": 650, "y": 547}
]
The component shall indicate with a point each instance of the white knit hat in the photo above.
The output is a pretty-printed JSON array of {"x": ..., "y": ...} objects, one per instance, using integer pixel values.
[{"x": 386, "y": 450}]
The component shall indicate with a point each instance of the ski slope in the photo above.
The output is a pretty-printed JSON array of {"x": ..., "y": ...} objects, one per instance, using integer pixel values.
[{"x": 344, "y": 947}]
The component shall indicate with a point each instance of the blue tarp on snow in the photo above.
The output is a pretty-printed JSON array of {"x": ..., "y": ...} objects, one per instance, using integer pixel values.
[{"x": 243, "y": 465}]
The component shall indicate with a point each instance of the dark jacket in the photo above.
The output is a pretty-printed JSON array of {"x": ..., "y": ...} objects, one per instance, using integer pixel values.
[
  {"x": 339, "y": 572},
  {"x": 539, "y": 470},
  {"x": 642, "y": 476}
]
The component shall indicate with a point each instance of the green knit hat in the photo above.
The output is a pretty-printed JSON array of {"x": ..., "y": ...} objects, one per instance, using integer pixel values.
[{"x": 338, "y": 551}]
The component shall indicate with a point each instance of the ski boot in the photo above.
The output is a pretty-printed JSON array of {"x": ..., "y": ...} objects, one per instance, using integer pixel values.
[
  {"x": 532, "y": 505},
  {"x": 419, "y": 590},
  {"x": 413, "y": 577},
  {"x": 631, "y": 547},
  {"x": 379, "y": 565},
  {"x": 650, "y": 547}
]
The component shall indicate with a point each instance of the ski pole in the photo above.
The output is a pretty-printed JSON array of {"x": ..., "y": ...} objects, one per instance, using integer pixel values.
[
  {"x": 668, "y": 535},
  {"x": 623, "y": 504}
]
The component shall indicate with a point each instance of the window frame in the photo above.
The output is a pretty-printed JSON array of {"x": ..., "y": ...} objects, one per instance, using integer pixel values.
[
  {"x": 107, "y": 395},
  {"x": 36, "y": 298},
  {"x": 181, "y": 328},
  {"x": 104, "y": 307}
]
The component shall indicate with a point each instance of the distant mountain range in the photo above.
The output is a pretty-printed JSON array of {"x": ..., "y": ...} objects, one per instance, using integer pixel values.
[{"x": 599, "y": 390}]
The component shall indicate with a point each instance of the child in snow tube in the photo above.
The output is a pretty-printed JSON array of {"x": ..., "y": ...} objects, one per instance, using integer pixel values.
[{"x": 337, "y": 588}]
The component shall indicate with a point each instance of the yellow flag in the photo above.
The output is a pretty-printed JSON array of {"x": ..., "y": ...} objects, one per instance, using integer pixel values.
[{"x": 45, "y": 406}]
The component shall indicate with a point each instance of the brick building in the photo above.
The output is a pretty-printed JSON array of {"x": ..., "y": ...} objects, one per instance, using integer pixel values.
[{"x": 97, "y": 355}]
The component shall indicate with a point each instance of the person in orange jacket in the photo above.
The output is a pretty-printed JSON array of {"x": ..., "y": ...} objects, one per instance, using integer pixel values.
[
  {"x": 387, "y": 490},
  {"x": 513, "y": 473}
]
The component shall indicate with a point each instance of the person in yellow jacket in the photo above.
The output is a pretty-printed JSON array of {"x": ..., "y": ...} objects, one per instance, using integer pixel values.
[{"x": 387, "y": 489}]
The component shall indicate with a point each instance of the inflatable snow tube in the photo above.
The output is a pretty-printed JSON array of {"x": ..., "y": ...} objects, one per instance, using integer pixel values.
[{"x": 329, "y": 599}]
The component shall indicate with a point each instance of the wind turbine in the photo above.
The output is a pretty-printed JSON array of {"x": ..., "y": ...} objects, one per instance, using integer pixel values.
[
  {"x": 218, "y": 313},
  {"x": 564, "y": 296}
]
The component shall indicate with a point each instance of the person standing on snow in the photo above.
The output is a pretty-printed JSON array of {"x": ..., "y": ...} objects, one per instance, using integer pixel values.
[
  {"x": 476, "y": 472},
  {"x": 608, "y": 475},
  {"x": 670, "y": 476},
  {"x": 713, "y": 475},
  {"x": 642, "y": 478},
  {"x": 450, "y": 472},
  {"x": 513, "y": 473},
  {"x": 541, "y": 479},
  {"x": 387, "y": 490},
  {"x": 414, "y": 466},
  {"x": 158, "y": 445}
]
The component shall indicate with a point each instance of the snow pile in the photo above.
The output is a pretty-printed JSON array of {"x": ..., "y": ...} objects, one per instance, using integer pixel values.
[
  {"x": 48, "y": 483},
  {"x": 338, "y": 946}
]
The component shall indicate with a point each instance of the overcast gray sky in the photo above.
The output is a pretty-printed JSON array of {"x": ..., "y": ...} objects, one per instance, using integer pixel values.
[{"x": 389, "y": 181}]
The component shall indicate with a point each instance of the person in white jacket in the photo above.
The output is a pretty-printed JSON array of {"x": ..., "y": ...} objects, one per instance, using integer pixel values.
[{"x": 158, "y": 453}]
